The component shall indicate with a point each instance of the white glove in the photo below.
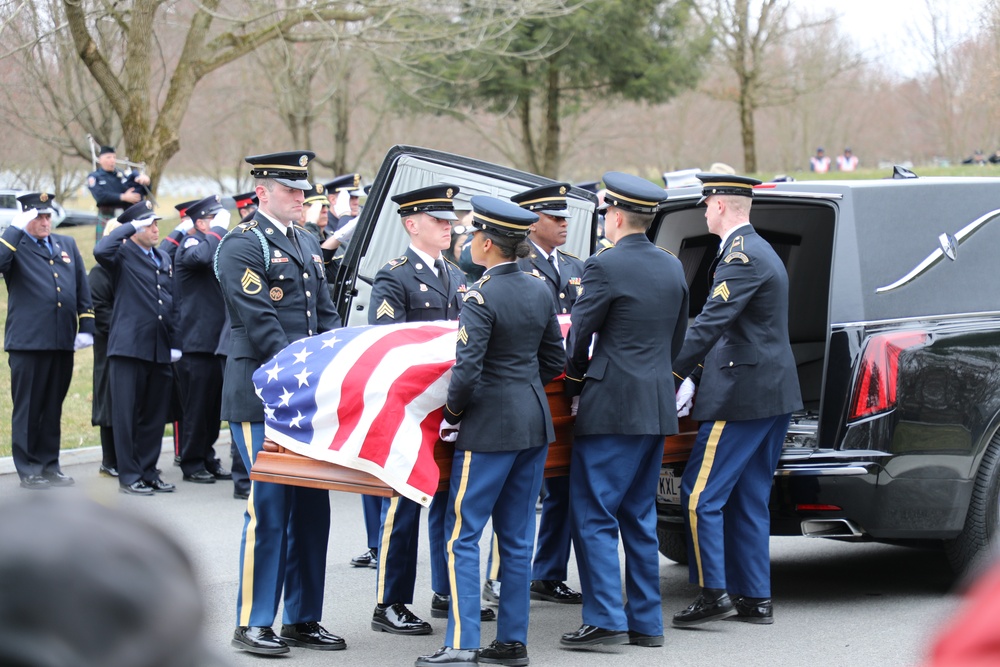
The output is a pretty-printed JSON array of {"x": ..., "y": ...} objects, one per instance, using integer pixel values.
[
  {"x": 139, "y": 224},
  {"x": 222, "y": 219},
  {"x": 21, "y": 220},
  {"x": 574, "y": 405},
  {"x": 175, "y": 355},
  {"x": 685, "y": 397},
  {"x": 345, "y": 233},
  {"x": 312, "y": 215},
  {"x": 83, "y": 340},
  {"x": 186, "y": 225},
  {"x": 342, "y": 205},
  {"x": 449, "y": 432}
]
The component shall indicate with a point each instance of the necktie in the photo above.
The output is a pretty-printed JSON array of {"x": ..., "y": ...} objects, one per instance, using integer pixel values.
[
  {"x": 552, "y": 263},
  {"x": 44, "y": 246},
  {"x": 153, "y": 258},
  {"x": 295, "y": 241},
  {"x": 442, "y": 274}
]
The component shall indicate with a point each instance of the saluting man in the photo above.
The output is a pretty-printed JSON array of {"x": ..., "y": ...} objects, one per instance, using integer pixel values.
[
  {"x": 48, "y": 295},
  {"x": 739, "y": 351},
  {"x": 141, "y": 346},
  {"x": 635, "y": 299},
  {"x": 275, "y": 289},
  {"x": 201, "y": 314}
]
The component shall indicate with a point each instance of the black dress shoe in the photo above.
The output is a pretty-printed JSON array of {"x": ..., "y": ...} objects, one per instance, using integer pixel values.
[
  {"x": 754, "y": 610},
  {"x": 258, "y": 640},
  {"x": 200, "y": 477},
  {"x": 399, "y": 620},
  {"x": 221, "y": 473},
  {"x": 58, "y": 478},
  {"x": 139, "y": 488},
  {"x": 554, "y": 591},
  {"x": 491, "y": 591},
  {"x": 639, "y": 639},
  {"x": 367, "y": 559},
  {"x": 160, "y": 486},
  {"x": 441, "y": 603},
  {"x": 241, "y": 495},
  {"x": 591, "y": 635},
  {"x": 311, "y": 635},
  {"x": 711, "y": 605},
  {"x": 35, "y": 483},
  {"x": 448, "y": 656},
  {"x": 504, "y": 653},
  {"x": 107, "y": 471}
]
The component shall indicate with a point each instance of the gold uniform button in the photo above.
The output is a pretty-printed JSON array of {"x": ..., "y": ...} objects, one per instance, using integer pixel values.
[
  {"x": 56, "y": 275},
  {"x": 562, "y": 295},
  {"x": 730, "y": 364},
  {"x": 281, "y": 277},
  {"x": 159, "y": 317},
  {"x": 427, "y": 304},
  {"x": 308, "y": 313},
  {"x": 157, "y": 287},
  {"x": 51, "y": 262},
  {"x": 159, "y": 301},
  {"x": 308, "y": 293},
  {"x": 59, "y": 303},
  {"x": 59, "y": 289},
  {"x": 310, "y": 332},
  {"x": 305, "y": 275}
]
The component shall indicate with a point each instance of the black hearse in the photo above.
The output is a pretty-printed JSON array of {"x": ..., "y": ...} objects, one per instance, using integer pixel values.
[{"x": 894, "y": 322}]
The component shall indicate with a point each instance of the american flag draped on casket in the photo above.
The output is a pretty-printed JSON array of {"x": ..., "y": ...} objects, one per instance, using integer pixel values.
[{"x": 368, "y": 398}]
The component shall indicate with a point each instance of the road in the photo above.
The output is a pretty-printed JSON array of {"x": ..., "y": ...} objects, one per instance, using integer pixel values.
[{"x": 835, "y": 603}]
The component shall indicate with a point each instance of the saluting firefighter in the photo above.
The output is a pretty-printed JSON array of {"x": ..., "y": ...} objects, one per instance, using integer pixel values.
[
  {"x": 509, "y": 347},
  {"x": 635, "y": 299},
  {"x": 274, "y": 285},
  {"x": 739, "y": 352},
  {"x": 201, "y": 314},
  {"x": 48, "y": 298},
  {"x": 420, "y": 286}
]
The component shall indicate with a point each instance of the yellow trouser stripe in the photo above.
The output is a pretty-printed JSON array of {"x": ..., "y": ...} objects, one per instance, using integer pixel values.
[
  {"x": 383, "y": 551},
  {"x": 452, "y": 579},
  {"x": 495, "y": 569},
  {"x": 699, "y": 485},
  {"x": 251, "y": 536}
]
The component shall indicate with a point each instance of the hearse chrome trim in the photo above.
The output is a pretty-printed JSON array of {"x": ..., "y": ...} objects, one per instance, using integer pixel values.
[
  {"x": 948, "y": 248},
  {"x": 916, "y": 318},
  {"x": 831, "y": 528},
  {"x": 820, "y": 470}
]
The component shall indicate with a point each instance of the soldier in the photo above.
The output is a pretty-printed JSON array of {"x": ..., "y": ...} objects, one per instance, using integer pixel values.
[
  {"x": 113, "y": 190},
  {"x": 635, "y": 299},
  {"x": 509, "y": 347},
  {"x": 315, "y": 210},
  {"x": 48, "y": 298},
  {"x": 420, "y": 286},
  {"x": 748, "y": 389},
  {"x": 141, "y": 346},
  {"x": 273, "y": 282},
  {"x": 344, "y": 194},
  {"x": 200, "y": 316}
]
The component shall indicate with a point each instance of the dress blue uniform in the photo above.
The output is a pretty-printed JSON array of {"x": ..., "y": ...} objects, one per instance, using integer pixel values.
[
  {"x": 748, "y": 389},
  {"x": 142, "y": 335},
  {"x": 172, "y": 241},
  {"x": 48, "y": 296},
  {"x": 509, "y": 347},
  {"x": 635, "y": 299},
  {"x": 102, "y": 292},
  {"x": 275, "y": 290},
  {"x": 107, "y": 188},
  {"x": 200, "y": 318}
]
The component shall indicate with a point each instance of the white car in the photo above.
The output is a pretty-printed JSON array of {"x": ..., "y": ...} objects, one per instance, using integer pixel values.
[{"x": 9, "y": 207}]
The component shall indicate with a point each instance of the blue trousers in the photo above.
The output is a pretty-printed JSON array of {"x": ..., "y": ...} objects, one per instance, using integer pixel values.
[
  {"x": 371, "y": 506},
  {"x": 285, "y": 535},
  {"x": 725, "y": 491},
  {"x": 504, "y": 485},
  {"x": 613, "y": 482}
]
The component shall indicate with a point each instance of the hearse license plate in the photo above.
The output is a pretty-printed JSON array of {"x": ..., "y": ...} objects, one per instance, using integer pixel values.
[{"x": 669, "y": 490}]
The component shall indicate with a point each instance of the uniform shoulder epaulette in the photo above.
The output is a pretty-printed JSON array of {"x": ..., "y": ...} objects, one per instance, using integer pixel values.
[
  {"x": 396, "y": 263},
  {"x": 666, "y": 251},
  {"x": 735, "y": 252},
  {"x": 568, "y": 254},
  {"x": 479, "y": 283},
  {"x": 452, "y": 263},
  {"x": 532, "y": 274},
  {"x": 604, "y": 249},
  {"x": 244, "y": 227}
]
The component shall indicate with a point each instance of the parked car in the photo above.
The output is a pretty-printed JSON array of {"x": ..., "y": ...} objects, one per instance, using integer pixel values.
[
  {"x": 77, "y": 218},
  {"x": 9, "y": 207}
]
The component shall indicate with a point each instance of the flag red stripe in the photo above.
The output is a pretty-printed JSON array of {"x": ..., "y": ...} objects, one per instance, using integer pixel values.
[{"x": 425, "y": 473}]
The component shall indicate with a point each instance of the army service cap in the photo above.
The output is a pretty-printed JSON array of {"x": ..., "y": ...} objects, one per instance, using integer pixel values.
[
  {"x": 205, "y": 208},
  {"x": 40, "y": 201},
  {"x": 547, "y": 199},
  {"x": 344, "y": 182},
  {"x": 497, "y": 216},
  {"x": 139, "y": 211},
  {"x": 316, "y": 194},
  {"x": 291, "y": 169},
  {"x": 631, "y": 193},
  {"x": 436, "y": 201},
  {"x": 726, "y": 184}
]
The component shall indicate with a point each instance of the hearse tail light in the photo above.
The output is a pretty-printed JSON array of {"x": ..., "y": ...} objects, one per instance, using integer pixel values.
[{"x": 875, "y": 389}]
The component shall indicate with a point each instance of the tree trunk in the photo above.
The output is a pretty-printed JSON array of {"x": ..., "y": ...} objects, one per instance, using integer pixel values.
[
  {"x": 527, "y": 136},
  {"x": 341, "y": 123},
  {"x": 747, "y": 132},
  {"x": 553, "y": 152}
]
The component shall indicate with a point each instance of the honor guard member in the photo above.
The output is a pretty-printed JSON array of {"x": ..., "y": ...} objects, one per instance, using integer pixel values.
[
  {"x": 739, "y": 351},
  {"x": 200, "y": 316},
  {"x": 315, "y": 210},
  {"x": 48, "y": 299},
  {"x": 343, "y": 194},
  {"x": 420, "y": 286},
  {"x": 635, "y": 299},
  {"x": 102, "y": 292},
  {"x": 274, "y": 286},
  {"x": 112, "y": 190},
  {"x": 141, "y": 346},
  {"x": 561, "y": 272},
  {"x": 509, "y": 347},
  {"x": 172, "y": 241}
]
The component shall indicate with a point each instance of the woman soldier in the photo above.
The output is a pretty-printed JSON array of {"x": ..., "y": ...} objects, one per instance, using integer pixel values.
[{"x": 509, "y": 347}]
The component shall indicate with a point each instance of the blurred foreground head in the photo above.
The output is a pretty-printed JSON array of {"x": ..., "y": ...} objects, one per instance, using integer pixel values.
[{"x": 85, "y": 585}]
